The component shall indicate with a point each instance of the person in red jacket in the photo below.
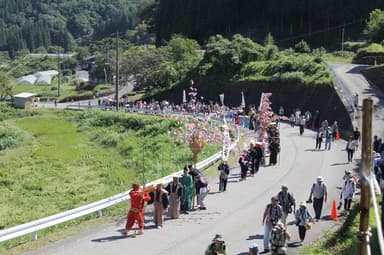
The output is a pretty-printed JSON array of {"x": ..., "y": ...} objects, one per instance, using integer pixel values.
[{"x": 136, "y": 212}]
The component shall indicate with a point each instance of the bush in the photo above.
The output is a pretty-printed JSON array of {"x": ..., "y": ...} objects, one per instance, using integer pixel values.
[
  {"x": 9, "y": 138},
  {"x": 354, "y": 46}
]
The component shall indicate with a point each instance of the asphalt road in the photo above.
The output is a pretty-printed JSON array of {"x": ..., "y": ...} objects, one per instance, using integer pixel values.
[
  {"x": 237, "y": 213},
  {"x": 354, "y": 82}
]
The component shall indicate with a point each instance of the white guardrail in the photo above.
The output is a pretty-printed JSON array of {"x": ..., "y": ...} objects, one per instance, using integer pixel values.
[{"x": 34, "y": 226}]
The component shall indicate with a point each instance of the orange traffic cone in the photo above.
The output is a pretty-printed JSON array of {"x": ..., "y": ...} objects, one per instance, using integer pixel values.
[
  {"x": 337, "y": 136},
  {"x": 334, "y": 211}
]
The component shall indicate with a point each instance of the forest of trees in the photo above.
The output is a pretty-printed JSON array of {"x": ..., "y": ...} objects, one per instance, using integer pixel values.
[
  {"x": 26, "y": 24},
  {"x": 32, "y": 25},
  {"x": 289, "y": 21}
]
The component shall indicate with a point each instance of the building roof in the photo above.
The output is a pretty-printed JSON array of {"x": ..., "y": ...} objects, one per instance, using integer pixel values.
[{"x": 25, "y": 95}]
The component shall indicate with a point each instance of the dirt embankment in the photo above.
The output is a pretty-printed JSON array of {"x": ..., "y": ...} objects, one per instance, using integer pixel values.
[{"x": 291, "y": 96}]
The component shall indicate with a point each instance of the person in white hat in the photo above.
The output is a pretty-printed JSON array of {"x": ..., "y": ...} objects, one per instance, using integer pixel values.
[
  {"x": 279, "y": 238},
  {"x": 319, "y": 195},
  {"x": 302, "y": 216},
  {"x": 217, "y": 247},
  {"x": 348, "y": 192}
]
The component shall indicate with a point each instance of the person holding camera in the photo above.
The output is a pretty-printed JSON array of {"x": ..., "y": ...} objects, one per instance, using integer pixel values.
[
  {"x": 217, "y": 247},
  {"x": 272, "y": 214}
]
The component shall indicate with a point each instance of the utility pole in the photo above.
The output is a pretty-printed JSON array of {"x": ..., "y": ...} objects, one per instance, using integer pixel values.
[
  {"x": 117, "y": 72},
  {"x": 365, "y": 172},
  {"x": 58, "y": 70},
  {"x": 342, "y": 38}
]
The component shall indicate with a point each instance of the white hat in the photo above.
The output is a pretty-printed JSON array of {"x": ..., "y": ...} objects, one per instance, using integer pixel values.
[
  {"x": 302, "y": 203},
  {"x": 319, "y": 178}
]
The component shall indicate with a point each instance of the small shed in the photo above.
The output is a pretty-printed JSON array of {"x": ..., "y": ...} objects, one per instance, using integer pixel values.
[{"x": 24, "y": 100}]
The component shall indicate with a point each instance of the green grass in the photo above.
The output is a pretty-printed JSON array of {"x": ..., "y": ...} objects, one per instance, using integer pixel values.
[
  {"x": 336, "y": 58},
  {"x": 69, "y": 159},
  {"x": 344, "y": 241},
  {"x": 45, "y": 90}
]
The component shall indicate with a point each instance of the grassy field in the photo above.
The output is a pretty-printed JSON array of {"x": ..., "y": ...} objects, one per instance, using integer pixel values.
[
  {"x": 68, "y": 159},
  {"x": 45, "y": 90}
]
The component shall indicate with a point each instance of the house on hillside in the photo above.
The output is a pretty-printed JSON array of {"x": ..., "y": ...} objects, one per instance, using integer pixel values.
[{"x": 24, "y": 100}]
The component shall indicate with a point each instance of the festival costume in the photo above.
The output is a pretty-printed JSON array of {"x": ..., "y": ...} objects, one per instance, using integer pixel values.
[
  {"x": 186, "y": 198},
  {"x": 136, "y": 212},
  {"x": 175, "y": 191}
]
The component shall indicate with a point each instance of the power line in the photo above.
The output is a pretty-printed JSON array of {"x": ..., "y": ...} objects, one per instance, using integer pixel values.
[{"x": 321, "y": 31}]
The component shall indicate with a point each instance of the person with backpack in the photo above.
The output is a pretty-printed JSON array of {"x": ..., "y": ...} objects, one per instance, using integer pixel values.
[
  {"x": 319, "y": 195},
  {"x": 286, "y": 201},
  {"x": 279, "y": 238},
  {"x": 272, "y": 214}
]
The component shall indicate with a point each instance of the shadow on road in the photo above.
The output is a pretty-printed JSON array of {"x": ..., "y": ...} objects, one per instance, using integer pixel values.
[
  {"x": 110, "y": 238},
  {"x": 339, "y": 164},
  {"x": 255, "y": 237}
]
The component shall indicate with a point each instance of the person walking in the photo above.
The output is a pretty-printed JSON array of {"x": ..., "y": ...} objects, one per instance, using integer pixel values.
[
  {"x": 223, "y": 177},
  {"x": 271, "y": 216},
  {"x": 303, "y": 217},
  {"x": 136, "y": 212},
  {"x": 274, "y": 149},
  {"x": 328, "y": 138},
  {"x": 319, "y": 139},
  {"x": 175, "y": 190},
  {"x": 350, "y": 148},
  {"x": 335, "y": 130},
  {"x": 201, "y": 191},
  {"x": 286, "y": 201},
  {"x": 302, "y": 124},
  {"x": 186, "y": 197},
  {"x": 243, "y": 162},
  {"x": 292, "y": 120},
  {"x": 319, "y": 195},
  {"x": 160, "y": 202},
  {"x": 356, "y": 138},
  {"x": 348, "y": 192},
  {"x": 258, "y": 157},
  {"x": 356, "y": 100}
]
